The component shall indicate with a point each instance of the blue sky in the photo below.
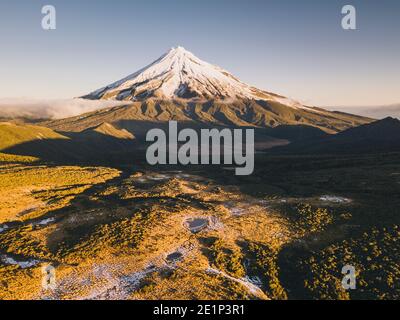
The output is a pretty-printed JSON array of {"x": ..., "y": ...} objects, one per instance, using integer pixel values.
[{"x": 292, "y": 47}]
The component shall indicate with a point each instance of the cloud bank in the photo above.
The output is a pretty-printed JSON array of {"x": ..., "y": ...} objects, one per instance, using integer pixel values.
[
  {"x": 378, "y": 112},
  {"x": 51, "y": 109},
  {"x": 63, "y": 108}
]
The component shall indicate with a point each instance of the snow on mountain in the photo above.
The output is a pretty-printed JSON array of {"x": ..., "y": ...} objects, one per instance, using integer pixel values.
[{"x": 180, "y": 74}]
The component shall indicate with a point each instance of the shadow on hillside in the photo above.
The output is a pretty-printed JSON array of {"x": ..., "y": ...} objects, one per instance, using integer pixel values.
[
  {"x": 91, "y": 147},
  {"x": 290, "y": 132},
  {"x": 79, "y": 148}
]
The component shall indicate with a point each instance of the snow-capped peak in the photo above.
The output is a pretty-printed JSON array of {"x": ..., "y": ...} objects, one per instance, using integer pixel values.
[{"x": 180, "y": 74}]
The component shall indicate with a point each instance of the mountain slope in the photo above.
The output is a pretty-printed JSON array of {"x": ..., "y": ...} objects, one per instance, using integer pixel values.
[
  {"x": 33, "y": 141},
  {"x": 180, "y": 86},
  {"x": 137, "y": 117},
  {"x": 376, "y": 137},
  {"x": 12, "y": 134},
  {"x": 109, "y": 130},
  {"x": 42, "y": 143}
]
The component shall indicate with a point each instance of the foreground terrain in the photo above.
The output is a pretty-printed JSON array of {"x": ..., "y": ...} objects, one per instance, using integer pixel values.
[
  {"x": 83, "y": 217},
  {"x": 136, "y": 233}
]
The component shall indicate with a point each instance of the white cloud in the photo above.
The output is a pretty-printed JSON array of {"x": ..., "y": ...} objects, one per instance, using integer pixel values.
[
  {"x": 51, "y": 109},
  {"x": 375, "y": 112}
]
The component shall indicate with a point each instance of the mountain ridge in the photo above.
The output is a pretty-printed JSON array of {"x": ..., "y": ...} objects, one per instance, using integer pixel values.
[
  {"x": 240, "y": 113},
  {"x": 108, "y": 129},
  {"x": 376, "y": 137}
]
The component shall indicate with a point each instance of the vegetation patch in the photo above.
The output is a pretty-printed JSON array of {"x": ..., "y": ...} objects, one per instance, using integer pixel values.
[
  {"x": 227, "y": 259},
  {"x": 375, "y": 254},
  {"x": 264, "y": 263}
]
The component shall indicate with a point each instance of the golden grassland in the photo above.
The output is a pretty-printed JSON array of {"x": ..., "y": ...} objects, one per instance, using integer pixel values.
[
  {"x": 14, "y": 134},
  {"x": 126, "y": 238},
  {"x": 31, "y": 191},
  {"x": 11, "y": 159},
  {"x": 118, "y": 235}
]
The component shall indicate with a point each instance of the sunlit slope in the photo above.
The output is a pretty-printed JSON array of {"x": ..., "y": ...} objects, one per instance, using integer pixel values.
[
  {"x": 30, "y": 191},
  {"x": 11, "y": 158},
  {"x": 109, "y": 130},
  {"x": 14, "y": 134},
  {"x": 46, "y": 144},
  {"x": 24, "y": 143}
]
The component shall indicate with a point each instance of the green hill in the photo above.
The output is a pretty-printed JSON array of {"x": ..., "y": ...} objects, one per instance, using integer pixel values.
[{"x": 15, "y": 134}]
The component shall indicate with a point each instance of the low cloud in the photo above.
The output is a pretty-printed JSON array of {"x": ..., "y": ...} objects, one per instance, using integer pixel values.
[
  {"x": 378, "y": 112},
  {"x": 51, "y": 109}
]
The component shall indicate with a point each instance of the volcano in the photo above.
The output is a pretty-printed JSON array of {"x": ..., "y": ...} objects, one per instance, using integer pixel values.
[{"x": 179, "y": 86}]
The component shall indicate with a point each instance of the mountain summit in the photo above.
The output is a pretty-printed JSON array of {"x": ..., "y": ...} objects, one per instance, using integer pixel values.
[{"x": 180, "y": 74}]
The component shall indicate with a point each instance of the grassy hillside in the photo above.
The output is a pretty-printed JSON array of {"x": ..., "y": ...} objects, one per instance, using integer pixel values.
[
  {"x": 14, "y": 134},
  {"x": 31, "y": 141},
  {"x": 114, "y": 235},
  {"x": 11, "y": 158}
]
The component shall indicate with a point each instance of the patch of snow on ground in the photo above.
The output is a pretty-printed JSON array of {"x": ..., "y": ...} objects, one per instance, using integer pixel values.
[
  {"x": 334, "y": 199},
  {"x": 238, "y": 211},
  {"x": 254, "y": 280},
  {"x": 160, "y": 177},
  {"x": 23, "y": 264},
  {"x": 216, "y": 224},
  {"x": 111, "y": 285},
  {"x": 244, "y": 281},
  {"x": 45, "y": 222},
  {"x": 234, "y": 209},
  {"x": 119, "y": 288}
]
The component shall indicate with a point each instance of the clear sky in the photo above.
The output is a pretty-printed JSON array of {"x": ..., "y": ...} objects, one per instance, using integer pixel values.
[{"x": 293, "y": 47}]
